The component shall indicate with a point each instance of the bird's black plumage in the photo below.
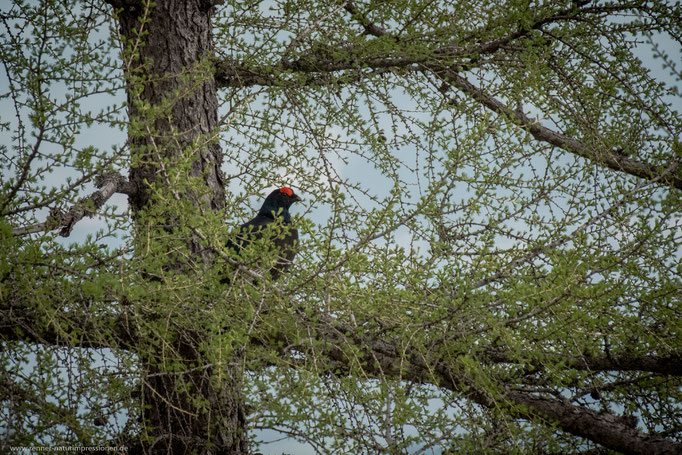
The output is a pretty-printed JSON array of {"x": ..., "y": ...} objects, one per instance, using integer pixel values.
[{"x": 273, "y": 222}]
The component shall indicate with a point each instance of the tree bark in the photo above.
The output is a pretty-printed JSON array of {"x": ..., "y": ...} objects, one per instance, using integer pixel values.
[
  {"x": 176, "y": 38},
  {"x": 615, "y": 432},
  {"x": 173, "y": 105}
]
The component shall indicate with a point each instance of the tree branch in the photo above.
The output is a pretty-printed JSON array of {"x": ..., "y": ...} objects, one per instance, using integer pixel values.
[
  {"x": 370, "y": 27},
  {"x": 232, "y": 73},
  {"x": 316, "y": 64},
  {"x": 108, "y": 184},
  {"x": 609, "y": 158},
  {"x": 664, "y": 365},
  {"x": 21, "y": 323},
  {"x": 611, "y": 431},
  {"x": 385, "y": 358},
  {"x": 382, "y": 358},
  {"x": 25, "y": 169}
]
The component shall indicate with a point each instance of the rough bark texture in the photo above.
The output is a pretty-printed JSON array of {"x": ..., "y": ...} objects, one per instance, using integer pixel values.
[
  {"x": 615, "y": 432},
  {"x": 189, "y": 412},
  {"x": 177, "y": 37}
]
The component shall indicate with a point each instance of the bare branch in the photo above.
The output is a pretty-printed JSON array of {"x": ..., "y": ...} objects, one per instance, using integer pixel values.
[
  {"x": 25, "y": 169},
  {"x": 108, "y": 184}
]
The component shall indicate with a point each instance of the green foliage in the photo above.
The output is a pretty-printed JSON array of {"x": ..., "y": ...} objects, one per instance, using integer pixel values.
[{"x": 448, "y": 253}]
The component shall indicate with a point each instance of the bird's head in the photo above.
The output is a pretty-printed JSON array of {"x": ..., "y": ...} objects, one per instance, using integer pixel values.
[{"x": 278, "y": 202}]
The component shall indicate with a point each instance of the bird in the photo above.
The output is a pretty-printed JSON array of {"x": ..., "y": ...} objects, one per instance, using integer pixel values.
[{"x": 273, "y": 215}]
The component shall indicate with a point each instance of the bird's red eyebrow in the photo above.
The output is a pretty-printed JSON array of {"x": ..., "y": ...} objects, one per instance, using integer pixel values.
[{"x": 286, "y": 191}]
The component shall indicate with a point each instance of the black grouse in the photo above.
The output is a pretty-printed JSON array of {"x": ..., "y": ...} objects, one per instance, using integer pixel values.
[{"x": 275, "y": 212}]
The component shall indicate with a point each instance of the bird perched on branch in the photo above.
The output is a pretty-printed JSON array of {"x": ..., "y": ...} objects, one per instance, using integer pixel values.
[{"x": 273, "y": 222}]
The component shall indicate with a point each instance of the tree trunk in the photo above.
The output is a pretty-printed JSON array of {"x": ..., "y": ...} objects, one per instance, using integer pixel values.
[
  {"x": 176, "y": 39},
  {"x": 188, "y": 410}
]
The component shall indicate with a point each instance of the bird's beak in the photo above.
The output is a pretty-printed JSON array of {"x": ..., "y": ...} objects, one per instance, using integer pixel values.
[{"x": 296, "y": 198}]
